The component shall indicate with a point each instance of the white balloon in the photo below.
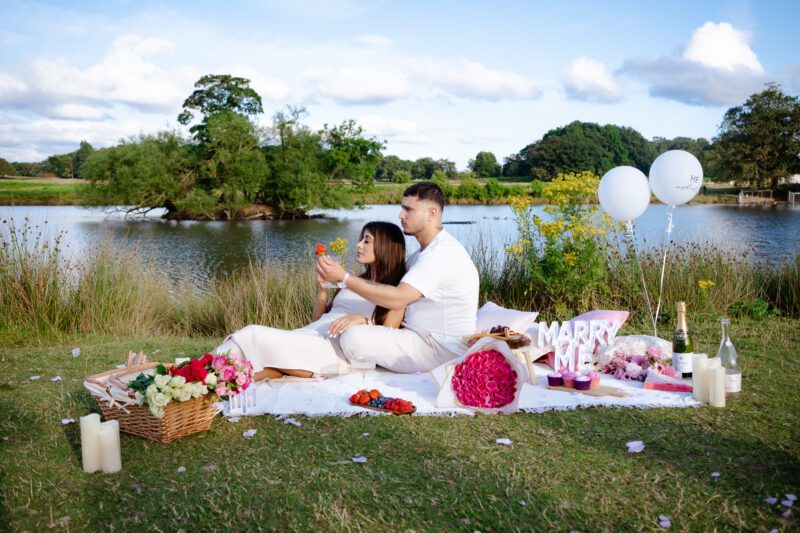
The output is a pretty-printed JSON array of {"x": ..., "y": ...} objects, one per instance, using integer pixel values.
[
  {"x": 624, "y": 193},
  {"x": 676, "y": 177}
]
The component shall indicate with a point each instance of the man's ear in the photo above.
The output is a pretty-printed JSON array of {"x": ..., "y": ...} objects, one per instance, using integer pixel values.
[{"x": 431, "y": 213}]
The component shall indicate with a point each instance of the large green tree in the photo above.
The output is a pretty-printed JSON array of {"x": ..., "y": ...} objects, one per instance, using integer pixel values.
[
  {"x": 580, "y": 146},
  {"x": 485, "y": 165},
  {"x": 147, "y": 172},
  {"x": 216, "y": 93},
  {"x": 350, "y": 156},
  {"x": 759, "y": 141},
  {"x": 6, "y": 169}
]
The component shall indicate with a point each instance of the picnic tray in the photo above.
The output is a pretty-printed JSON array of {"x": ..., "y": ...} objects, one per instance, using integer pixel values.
[{"x": 598, "y": 392}]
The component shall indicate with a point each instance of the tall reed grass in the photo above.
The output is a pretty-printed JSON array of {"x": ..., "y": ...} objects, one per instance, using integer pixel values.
[{"x": 44, "y": 295}]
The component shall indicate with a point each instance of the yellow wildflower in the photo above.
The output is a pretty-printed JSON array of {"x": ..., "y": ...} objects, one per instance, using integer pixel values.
[
  {"x": 519, "y": 203},
  {"x": 339, "y": 246},
  {"x": 570, "y": 258},
  {"x": 705, "y": 284}
]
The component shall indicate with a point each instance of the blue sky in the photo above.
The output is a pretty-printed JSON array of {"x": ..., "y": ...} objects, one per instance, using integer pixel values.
[{"x": 444, "y": 79}]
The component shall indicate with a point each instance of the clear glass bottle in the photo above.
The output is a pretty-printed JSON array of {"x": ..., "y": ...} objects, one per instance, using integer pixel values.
[{"x": 729, "y": 360}]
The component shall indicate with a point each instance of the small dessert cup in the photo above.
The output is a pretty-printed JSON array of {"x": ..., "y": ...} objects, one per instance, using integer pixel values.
[
  {"x": 583, "y": 383},
  {"x": 554, "y": 379},
  {"x": 569, "y": 378},
  {"x": 595, "y": 377}
]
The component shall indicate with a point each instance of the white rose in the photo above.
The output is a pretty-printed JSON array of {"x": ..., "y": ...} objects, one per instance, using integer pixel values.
[
  {"x": 177, "y": 393},
  {"x": 178, "y": 381},
  {"x": 161, "y": 380},
  {"x": 167, "y": 390},
  {"x": 198, "y": 389},
  {"x": 186, "y": 395},
  {"x": 211, "y": 379},
  {"x": 158, "y": 412},
  {"x": 152, "y": 389},
  {"x": 160, "y": 400}
]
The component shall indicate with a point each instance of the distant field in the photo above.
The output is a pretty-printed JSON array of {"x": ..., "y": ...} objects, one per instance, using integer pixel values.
[{"x": 40, "y": 191}]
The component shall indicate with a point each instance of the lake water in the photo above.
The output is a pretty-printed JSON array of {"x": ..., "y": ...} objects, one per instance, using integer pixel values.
[{"x": 191, "y": 251}]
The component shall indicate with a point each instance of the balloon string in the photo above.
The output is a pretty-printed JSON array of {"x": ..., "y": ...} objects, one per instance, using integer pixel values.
[
  {"x": 665, "y": 245},
  {"x": 632, "y": 238}
]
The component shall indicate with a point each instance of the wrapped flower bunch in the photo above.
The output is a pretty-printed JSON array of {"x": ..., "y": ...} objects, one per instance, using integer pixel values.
[
  {"x": 628, "y": 361},
  {"x": 485, "y": 379},
  {"x": 222, "y": 375}
]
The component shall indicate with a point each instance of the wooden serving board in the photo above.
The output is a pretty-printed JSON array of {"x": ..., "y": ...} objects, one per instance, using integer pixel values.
[
  {"x": 414, "y": 410},
  {"x": 597, "y": 392}
]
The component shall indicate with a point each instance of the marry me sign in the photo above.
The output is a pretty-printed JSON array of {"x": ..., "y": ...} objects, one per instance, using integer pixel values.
[{"x": 574, "y": 342}]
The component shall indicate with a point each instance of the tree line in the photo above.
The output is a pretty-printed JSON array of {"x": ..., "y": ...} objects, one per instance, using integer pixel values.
[{"x": 229, "y": 164}]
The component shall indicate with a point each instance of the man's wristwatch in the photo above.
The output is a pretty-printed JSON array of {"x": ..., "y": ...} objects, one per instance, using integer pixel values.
[{"x": 343, "y": 284}]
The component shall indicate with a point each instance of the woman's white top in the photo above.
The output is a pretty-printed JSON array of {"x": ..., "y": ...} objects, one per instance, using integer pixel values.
[{"x": 346, "y": 303}]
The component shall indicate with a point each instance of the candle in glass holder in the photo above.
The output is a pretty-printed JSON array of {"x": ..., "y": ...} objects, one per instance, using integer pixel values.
[
  {"x": 90, "y": 442},
  {"x": 714, "y": 362},
  {"x": 110, "y": 454},
  {"x": 699, "y": 377},
  {"x": 716, "y": 387}
]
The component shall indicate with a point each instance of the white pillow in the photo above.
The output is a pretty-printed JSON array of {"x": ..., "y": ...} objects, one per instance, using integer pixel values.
[{"x": 491, "y": 315}]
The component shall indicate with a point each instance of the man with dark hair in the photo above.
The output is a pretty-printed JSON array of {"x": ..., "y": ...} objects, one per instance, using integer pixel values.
[{"x": 439, "y": 293}]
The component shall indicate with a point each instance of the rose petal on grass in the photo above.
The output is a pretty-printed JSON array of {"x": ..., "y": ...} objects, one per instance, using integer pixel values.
[
  {"x": 787, "y": 503},
  {"x": 249, "y": 433},
  {"x": 771, "y": 500},
  {"x": 635, "y": 446},
  {"x": 715, "y": 474},
  {"x": 55, "y": 378},
  {"x": 788, "y": 513},
  {"x": 507, "y": 442},
  {"x": 66, "y": 421},
  {"x": 234, "y": 419},
  {"x": 76, "y": 352},
  {"x": 365, "y": 434},
  {"x": 790, "y": 496},
  {"x": 359, "y": 459},
  {"x": 664, "y": 521},
  {"x": 181, "y": 469},
  {"x": 120, "y": 366},
  {"x": 292, "y": 421},
  {"x": 34, "y": 378}
]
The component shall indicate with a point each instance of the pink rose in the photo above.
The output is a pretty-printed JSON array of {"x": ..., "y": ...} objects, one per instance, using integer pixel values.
[
  {"x": 218, "y": 362},
  {"x": 221, "y": 390}
]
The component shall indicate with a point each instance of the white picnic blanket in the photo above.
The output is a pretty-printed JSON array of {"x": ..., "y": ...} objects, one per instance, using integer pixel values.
[{"x": 329, "y": 397}]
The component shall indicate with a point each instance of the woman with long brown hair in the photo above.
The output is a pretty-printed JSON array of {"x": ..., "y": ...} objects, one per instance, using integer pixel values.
[{"x": 314, "y": 349}]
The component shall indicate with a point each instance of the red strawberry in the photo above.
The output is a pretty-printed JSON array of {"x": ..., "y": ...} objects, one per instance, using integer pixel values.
[
  {"x": 374, "y": 393},
  {"x": 354, "y": 398}
]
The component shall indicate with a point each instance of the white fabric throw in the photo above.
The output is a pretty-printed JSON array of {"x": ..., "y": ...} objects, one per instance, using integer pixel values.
[{"x": 330, "y": 397}]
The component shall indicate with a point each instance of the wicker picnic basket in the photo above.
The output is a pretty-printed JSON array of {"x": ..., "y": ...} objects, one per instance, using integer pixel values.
[{"x": 119, "y": 403}]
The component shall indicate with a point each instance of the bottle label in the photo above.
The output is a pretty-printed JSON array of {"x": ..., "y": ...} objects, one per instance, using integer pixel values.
[
  {"x": 680, "y": 334},
  {"x": 733, "y": 381},
  {"x": 682, "y": 362}
]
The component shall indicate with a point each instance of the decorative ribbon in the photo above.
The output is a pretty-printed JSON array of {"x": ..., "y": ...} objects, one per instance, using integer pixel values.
[
  {"x": 632, "y": 244},
  {"x": 665, "y": 245}
]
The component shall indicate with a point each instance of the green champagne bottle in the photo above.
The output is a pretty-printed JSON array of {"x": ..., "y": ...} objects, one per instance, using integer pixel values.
[{"x": 682, "y": 346}]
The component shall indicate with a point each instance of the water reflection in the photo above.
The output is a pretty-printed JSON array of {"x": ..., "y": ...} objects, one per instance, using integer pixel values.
[{"x": 191, "y": 252}]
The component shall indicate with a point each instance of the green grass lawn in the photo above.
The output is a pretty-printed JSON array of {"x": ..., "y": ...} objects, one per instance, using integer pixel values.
[
  {"x": 37, "y": 192},
  {"x": 564, "y": 471}
]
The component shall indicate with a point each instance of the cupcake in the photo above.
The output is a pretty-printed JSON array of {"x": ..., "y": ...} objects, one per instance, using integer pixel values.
[
  {"x": 569, "y": 378},
  {"x": 554, "y": 379},
  {"x": 583, "y": 383},
  {"x": 595, "y": 377}
]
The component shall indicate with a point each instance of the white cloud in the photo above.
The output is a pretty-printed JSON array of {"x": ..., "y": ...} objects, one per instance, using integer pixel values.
[
  {"x": 397, "y": 130},
  {"x": 721, "y": 46},
  {"x": 793, "y": 74},
  {"x": 474, "y": 80},
  {"x": 588, "y": 79},
  {"x": 351, "y": 85},
  {"x": 78, "y": 112},
  {"x": 373, "y": 40},
  {"x": 11, "y": 88},
  {"x": 717, "y": 68}
]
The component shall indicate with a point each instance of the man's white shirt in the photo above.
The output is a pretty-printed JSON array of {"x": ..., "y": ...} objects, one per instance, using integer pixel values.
[{"x": 448, "y": 280}]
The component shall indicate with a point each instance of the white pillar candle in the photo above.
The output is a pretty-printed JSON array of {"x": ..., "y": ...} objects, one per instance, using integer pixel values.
[
  {"x": 699, "y": 379},
  {"x": 90, "y": 442},
  {"x": 716, "y": 387},
  {"x": 714, "y": 362},
  {"x": 110, "y": 454}
]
